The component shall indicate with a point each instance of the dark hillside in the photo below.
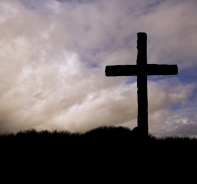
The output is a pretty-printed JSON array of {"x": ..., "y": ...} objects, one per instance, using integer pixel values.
[{"x": 106, "y": 152}]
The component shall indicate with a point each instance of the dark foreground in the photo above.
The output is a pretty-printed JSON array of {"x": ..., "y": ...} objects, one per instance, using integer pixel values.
[{"x": 104, "y": 154}]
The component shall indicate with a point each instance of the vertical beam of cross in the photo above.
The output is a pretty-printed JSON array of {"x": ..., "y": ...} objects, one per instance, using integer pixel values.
[
  {"x": 142, "y": 95},
  {"x": 141, "y": 70}
]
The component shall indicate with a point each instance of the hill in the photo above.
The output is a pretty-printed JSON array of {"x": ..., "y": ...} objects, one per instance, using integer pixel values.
[{"x": 106, "y": 152}]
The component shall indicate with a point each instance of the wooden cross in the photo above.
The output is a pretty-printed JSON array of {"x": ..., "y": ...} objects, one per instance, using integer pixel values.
[{"x": 141, "y": 70}]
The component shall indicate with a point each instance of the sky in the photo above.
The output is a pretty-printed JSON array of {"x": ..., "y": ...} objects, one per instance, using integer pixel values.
[{"x": 53, "y": 55}]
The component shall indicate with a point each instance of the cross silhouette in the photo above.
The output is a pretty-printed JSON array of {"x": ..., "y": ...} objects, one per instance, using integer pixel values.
[{"x": 141, "y": 70}]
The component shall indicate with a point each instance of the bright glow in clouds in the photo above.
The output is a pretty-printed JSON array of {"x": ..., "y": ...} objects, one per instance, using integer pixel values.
[{"x": 53, "y": 56}]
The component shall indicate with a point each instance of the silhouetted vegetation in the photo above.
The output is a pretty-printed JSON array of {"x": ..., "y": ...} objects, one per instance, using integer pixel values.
[{"x": 106, "y": 152}]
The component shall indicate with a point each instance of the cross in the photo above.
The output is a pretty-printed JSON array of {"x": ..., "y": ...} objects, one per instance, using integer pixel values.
[{"x": 141, "y": 70}]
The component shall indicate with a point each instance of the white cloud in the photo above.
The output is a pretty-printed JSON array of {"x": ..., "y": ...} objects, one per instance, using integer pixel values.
[{"x": 47, "y": 47}]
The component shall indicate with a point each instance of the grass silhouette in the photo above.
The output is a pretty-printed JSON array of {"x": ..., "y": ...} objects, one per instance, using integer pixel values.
[{"x": 106, "y": 152}]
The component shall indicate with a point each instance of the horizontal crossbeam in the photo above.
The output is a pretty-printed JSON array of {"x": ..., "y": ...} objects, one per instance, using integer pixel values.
[
  {"x": 121, "y": 70},
  {"x": 153, "y": 69},
  {"x": 132, "y": 70}
]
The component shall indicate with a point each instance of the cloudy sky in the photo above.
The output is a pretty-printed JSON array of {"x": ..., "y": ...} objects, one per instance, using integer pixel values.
[{"x": 53, "y": 55}]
